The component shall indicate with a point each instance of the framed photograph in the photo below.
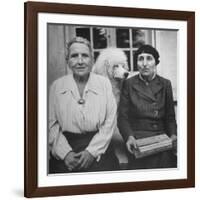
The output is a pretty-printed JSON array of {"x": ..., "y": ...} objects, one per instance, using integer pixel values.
[{"x": 109, "y": 99}]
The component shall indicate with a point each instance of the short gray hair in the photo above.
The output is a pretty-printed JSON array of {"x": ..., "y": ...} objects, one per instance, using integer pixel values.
[{"x": 78, "y": 40}]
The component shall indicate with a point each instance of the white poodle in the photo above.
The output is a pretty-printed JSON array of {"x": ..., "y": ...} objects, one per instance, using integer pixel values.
[{"x": 112, "y": 63}]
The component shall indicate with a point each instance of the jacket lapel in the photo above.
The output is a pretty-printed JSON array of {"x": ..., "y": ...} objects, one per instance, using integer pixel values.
[
  {"x": 148, "y": 91},
  {"x": 156, "y": 85}
]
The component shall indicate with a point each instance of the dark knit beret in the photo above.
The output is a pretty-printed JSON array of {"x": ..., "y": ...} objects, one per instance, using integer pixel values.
[{"x": 147, "y": 49}]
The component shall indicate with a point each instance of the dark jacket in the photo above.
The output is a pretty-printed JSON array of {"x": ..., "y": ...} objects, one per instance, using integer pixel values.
[{"x": 146, "y": 109}]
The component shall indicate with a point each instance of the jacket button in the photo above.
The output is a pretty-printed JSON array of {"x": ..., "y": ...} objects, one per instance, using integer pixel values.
[
  {"x": 156, "y": 113},
  {"x": 155, "y": 126}
]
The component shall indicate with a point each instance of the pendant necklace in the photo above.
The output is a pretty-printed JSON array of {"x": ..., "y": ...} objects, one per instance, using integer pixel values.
[{"x": 81, "y": 101}]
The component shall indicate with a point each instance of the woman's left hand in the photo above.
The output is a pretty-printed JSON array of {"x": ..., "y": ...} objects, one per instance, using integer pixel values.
[
  {"x": 85, "y": 159},
  {"x": 174, "y": 143}
]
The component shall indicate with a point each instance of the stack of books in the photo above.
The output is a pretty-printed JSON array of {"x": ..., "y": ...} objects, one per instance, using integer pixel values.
[{"x": 152, "y": 145}]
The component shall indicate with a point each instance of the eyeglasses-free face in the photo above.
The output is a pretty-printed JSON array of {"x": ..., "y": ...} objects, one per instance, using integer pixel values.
[
  {"x": 146, "y": 64},
  {"x": 80, "y": 59}
]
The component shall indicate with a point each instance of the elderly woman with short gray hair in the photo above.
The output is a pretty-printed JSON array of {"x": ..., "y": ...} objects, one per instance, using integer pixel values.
[{"x": 82, "y": 116}]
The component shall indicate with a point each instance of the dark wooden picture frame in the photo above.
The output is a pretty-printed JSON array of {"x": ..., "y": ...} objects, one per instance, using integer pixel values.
[{"x": 31, "y": 188}]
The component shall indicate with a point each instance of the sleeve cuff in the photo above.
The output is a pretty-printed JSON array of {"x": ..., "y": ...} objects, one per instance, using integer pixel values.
[
  {"x": 97, "y": 157},
  {"x": 61, "y": 151}
]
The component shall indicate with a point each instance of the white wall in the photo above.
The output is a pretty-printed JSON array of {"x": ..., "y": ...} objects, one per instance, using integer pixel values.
[
  {"x": 166, "y": 43},
  {"x": 11, "y": 101}
]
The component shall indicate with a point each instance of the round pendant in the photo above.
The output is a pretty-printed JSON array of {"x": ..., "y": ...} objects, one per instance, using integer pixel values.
[{"x": 81, "y": 101}]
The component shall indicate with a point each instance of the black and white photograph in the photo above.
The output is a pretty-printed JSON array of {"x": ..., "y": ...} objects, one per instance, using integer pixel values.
[
  {"x": 112, "y": 98},
  {"x": 109, "y": 99}
]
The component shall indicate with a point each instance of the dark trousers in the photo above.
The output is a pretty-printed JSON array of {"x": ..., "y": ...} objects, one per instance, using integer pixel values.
[{"x": 79, "y": 142}]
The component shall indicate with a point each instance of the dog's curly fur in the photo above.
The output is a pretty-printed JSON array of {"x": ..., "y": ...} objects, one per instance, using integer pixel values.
[
  {"x": 112, "y": 63},
  {"x": 106, "y": 64}
]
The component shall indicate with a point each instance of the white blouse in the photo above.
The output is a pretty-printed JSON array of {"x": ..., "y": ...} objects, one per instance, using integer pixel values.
[{"x": 66, "y": 114}]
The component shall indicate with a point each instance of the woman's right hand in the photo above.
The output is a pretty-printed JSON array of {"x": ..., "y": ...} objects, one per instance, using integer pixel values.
[
  {"x": 71, "y": 161},
  {"x": 131, "y": 144}
]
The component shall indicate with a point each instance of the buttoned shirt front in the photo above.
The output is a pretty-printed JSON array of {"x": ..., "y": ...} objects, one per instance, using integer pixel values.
[{"x": 97, "y": 113}]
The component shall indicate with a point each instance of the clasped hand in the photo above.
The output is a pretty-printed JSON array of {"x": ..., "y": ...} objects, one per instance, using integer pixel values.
[{"x": 78, "y": 161}]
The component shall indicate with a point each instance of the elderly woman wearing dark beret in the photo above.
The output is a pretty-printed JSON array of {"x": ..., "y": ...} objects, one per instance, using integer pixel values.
[{"x": 147, "y": 109}]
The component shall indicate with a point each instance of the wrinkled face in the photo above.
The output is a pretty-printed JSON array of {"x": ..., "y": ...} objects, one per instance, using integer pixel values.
[
  {"x": 80, "y": 59},
  {"x": 146, "y": 64},
  {"x": 120, "y": 70}
]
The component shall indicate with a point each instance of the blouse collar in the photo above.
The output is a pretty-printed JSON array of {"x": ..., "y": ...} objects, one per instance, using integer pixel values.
[{"x": 70, "y": 84}]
